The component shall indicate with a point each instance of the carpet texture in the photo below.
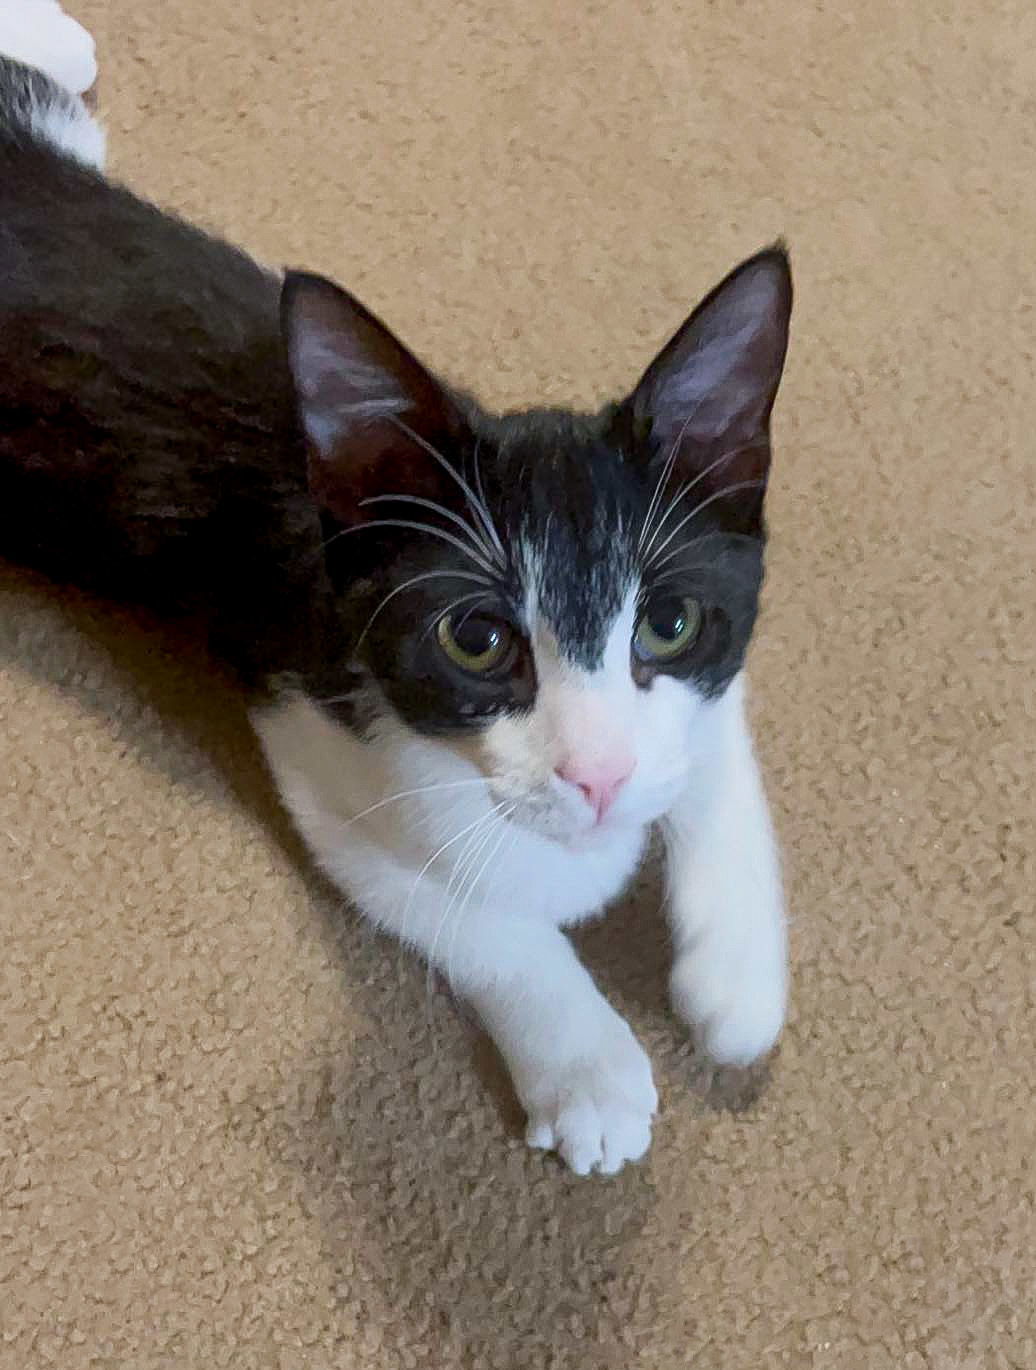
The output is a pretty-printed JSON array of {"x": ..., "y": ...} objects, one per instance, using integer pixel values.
[{"x": 239, "y": 1130}]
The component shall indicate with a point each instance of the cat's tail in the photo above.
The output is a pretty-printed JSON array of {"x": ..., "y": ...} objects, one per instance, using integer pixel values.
[{"x": 47, "y": 64}]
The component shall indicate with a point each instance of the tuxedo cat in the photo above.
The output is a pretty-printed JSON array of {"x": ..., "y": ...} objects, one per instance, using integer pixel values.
[{"x": 486, "y": 653}]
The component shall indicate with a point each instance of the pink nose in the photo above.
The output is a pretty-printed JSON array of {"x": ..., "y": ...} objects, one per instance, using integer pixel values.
[{"x": 598, "y": 782}]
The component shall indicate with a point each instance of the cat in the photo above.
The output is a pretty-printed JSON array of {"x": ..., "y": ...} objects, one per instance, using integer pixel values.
[{"x": 487, "y": 654}]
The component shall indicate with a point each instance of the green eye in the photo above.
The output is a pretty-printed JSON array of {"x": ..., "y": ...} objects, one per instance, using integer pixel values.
[
  {"x": 476, "y": 643},
  {"x": 667, "y": 627}
]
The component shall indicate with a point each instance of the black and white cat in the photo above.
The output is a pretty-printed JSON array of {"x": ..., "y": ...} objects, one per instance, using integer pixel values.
[{"x": 488, "y": 653}]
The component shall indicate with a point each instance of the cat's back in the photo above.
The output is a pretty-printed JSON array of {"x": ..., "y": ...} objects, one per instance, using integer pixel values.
[
  {"x": 146, "y": 416},
  {"x": 86, "y": 263}
]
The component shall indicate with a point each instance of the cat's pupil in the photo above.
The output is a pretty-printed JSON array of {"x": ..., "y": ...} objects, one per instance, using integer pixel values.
[
  {"x": 477, "y": 636},
  {"x": 667, "y": 618}
]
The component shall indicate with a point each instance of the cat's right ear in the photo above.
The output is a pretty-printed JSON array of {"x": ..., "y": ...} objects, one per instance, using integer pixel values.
[
  {"x": 705, "y": 400},
  {"x": 376, "y": 421}
]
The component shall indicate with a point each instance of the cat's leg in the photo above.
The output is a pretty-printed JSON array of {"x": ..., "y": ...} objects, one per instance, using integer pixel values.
[
  {"x": 50, "y": 64},
  {"x": 580, "y": 1074},
  {"x": 729, "y": 977},
  {"x": 582, "y": 1077}
]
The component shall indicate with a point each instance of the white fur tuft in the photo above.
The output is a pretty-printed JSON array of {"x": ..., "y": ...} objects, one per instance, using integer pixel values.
[
  {"x": 74, "y": 131},
  {"x": 39, "y": 34}
]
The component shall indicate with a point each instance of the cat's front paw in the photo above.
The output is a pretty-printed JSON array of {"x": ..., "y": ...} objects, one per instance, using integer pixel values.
[
  {"x": 735, "y": 1007},
  {"x": 596, "y": 1110}
]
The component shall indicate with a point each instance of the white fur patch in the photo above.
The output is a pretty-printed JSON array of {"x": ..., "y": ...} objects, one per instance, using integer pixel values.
[
  {"x": 74, "y": 131},
  {"x": 40, "y": 34}
]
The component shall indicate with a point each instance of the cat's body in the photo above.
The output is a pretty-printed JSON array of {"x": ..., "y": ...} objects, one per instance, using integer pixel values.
[
  {"x": 489, "y": 652},
  {"x": 148, "y": 439}
]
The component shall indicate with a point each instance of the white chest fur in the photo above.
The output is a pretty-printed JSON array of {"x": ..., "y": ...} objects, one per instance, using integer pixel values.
[
  {"x": 409, "y": 830},
  {"x": 401, "y": 823}
]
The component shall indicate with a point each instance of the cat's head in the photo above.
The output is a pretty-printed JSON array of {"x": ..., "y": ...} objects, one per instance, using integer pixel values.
[{"x": 552, "y": 596}]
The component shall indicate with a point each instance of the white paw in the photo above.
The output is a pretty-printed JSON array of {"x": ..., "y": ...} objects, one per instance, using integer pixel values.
[
  {"x": 596, "y": 1111},
  {"x": 40, "y": 34},
  {"x": 736, "y": 1009}
]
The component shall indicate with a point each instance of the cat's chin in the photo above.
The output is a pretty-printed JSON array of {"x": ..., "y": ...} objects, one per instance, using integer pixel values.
[
  {"x": 541, "y": 825},
  {"x": 604, "y": 835},
  {"x": 577, "y": 839},
  {"x": 545, "y": 821},
  {"x": 593, "y": 840}
]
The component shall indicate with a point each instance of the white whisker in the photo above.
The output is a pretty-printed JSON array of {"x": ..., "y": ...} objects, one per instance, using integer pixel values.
[
  {"x": 468, "y": 858},
  {"x": 477, "y": 507},
  {"x": 677, "y": 573},
  {"x": 441, "y": 613},
  {"x": 689, "y": 486},
  {"x": 409, "y": 794},
  {"x": 719, "y": 494},
  {"x": 416, "y": 580},
  {"x": 478, "y": 542},
  {"x": 494, "y": 854},
  {"x": 482, "y": 818},
  {"x": 484, "y": 503},
  {"x": 465, "y": 860},
  {"x": 667, "y": 468},
  {"x": 656, "y": 494},
  {"x": 442, "y": 533},
  {"x": 478, "y": 481}
]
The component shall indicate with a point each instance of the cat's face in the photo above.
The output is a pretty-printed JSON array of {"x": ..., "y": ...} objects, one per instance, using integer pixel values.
[{"x": 553, "y": 597}]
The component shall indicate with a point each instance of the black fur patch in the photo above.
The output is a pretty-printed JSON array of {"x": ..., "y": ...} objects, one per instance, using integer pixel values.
[{"x": 150, "y": 449}]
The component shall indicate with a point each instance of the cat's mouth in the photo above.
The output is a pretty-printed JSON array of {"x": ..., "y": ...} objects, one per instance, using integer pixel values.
[{"x": 547, "y": 815}]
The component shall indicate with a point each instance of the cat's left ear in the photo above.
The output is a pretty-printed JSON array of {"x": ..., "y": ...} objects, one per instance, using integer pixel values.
[
  {"x": 376, "y": 421},
  {"x": 710, "y": 390}
]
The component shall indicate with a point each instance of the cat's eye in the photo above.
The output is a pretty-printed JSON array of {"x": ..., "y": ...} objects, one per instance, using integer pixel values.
[
  {"x": 667, "y": 627},
  {"x": 477, "y": 643}
]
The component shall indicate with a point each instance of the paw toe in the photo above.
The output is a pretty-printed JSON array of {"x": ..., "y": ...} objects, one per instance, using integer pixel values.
[
  {"x": 579, "y": 1133},
  {"x": 626, "y": 1141},
  {"x": 738, "y": 1039},
  {"x": 737, "y": 1018},
  {"x": 540, "y": 1135}
]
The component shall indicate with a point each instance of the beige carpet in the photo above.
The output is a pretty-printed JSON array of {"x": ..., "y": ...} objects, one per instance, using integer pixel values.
[{"x": 240, "y": 1131}]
